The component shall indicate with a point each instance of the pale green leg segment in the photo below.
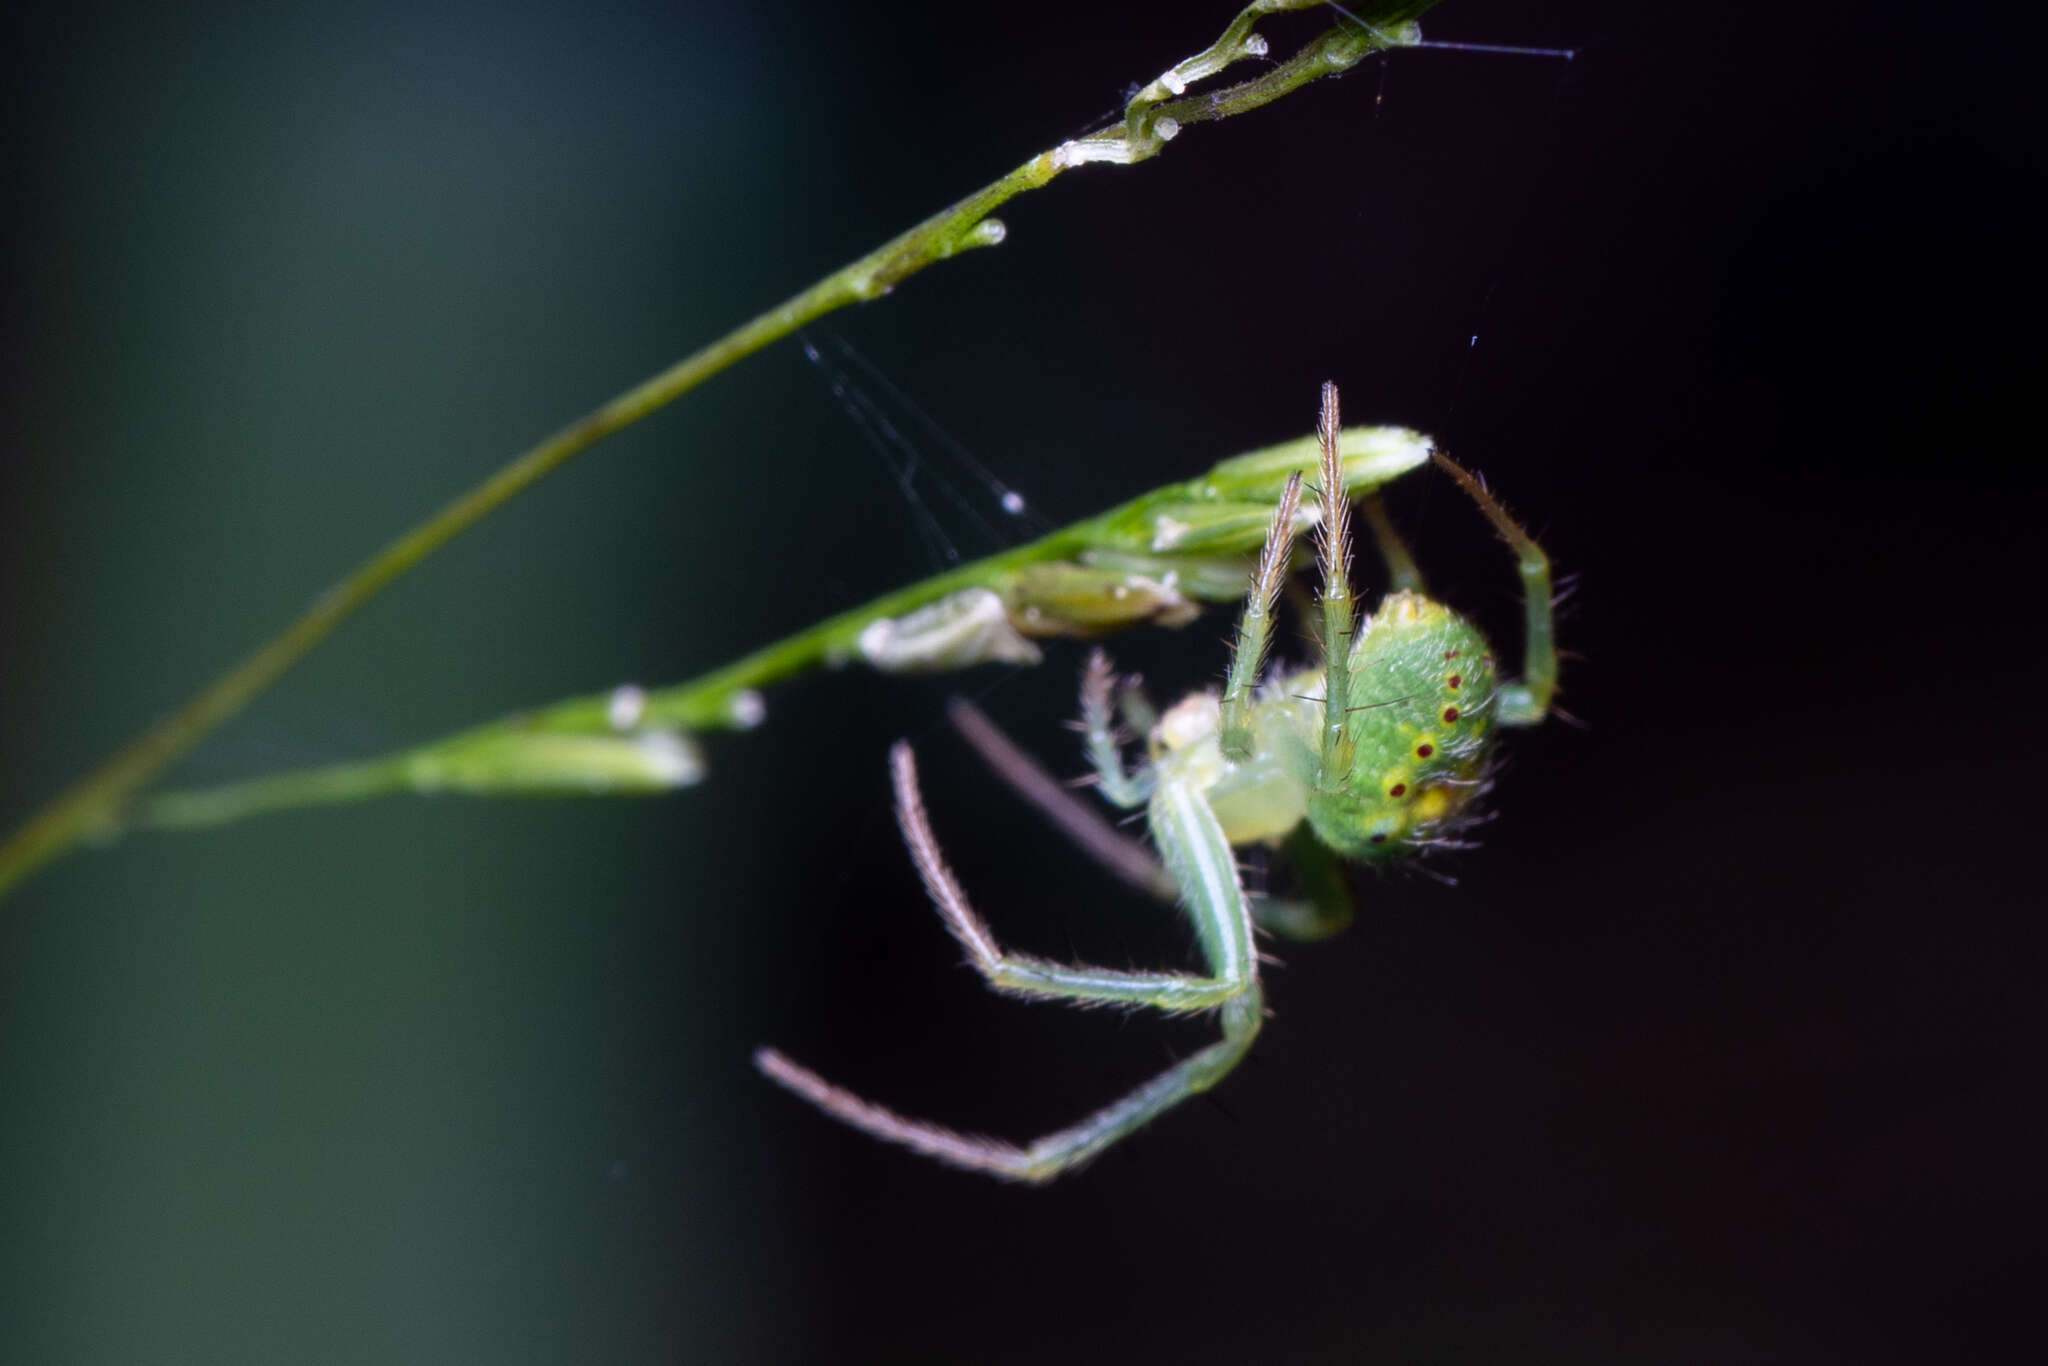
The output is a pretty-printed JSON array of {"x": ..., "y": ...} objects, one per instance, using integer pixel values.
[
  {"x": 1402, "y": 575},
  {"x": 1527, "y": 702},
  {"x": 1256, "y": 628},
  {"x": 1324, "y": 908},
  {"x": 1200, "y": 858},
  {"x": 1333, "y": 553},
  {"x": 1136, "y": 708},
  {"x": 1098, "y": 728}
]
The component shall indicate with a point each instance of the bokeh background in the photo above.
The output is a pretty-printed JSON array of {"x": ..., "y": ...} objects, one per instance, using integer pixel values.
[{"x": 1724, "y": 1047}]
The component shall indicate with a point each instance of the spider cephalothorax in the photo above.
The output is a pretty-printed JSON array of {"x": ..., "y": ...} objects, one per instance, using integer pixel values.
[{"x": 1376, "y": 753}]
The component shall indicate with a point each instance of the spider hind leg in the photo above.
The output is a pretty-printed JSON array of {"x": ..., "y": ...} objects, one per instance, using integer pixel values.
[{"x": 1200, "y": 860}]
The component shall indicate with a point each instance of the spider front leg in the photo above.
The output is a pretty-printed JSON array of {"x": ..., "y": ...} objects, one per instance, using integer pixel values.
[
  {"x": 1323, "y": 909},
  {"x": 1098, "y": 730},
  {"x": 1525, "y": 703},
  {"x": 1201, "y": 862}
]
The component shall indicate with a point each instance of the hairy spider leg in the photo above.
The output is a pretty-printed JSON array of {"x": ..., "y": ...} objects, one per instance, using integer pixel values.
[
  {"x": 1198, "y": 856},
  {"x": 1098, "y": 728},
  {"x": 1527, "y": 702},
  {"x": 1120, "y": 854},
  {"x": 1333, "y": 555},
  {"x": 1134, "y": 704},
  {"x": 1200, "y": 860},
  {"x": 1323, "y": 911},
  {"x": 1248, "y": 657}
]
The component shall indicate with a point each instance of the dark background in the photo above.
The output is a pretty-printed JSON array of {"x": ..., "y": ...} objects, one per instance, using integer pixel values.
[{"x": 1724, "y": 1047}]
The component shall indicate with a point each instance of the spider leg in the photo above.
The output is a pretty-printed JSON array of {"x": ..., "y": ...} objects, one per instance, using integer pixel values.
[
  {"x": 1527, "y": 702},
  {"x": 1324, "y": 909},
  {"x": 1098, "y": 726},
  {"x": 1053, "y": 1154},
  {"x": 1402, "y": 575},
  {"x": 1026, "y": 976},
  {"x": 1134, "y": 704},
  {"x": 1120, "y": 854},
  {"x": 1191, "y": 839},
  {"x": 1248, "y": 656},
  {"x": 1333, "y": 556}
]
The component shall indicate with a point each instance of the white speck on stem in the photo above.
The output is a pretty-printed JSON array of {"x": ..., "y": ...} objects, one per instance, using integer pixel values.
[
  {"x": 1166, "y": 533},
  {"x": 628, "y": 703},
  {"x": 747, "y": 709},
  {"x": 1114, "y": 150},
  {"x": 1172, "y": 81},
  {"x": 671, "y": 759},
  {"x": 1255, "y": 45},
  {"x": 1168, "y": 128}
]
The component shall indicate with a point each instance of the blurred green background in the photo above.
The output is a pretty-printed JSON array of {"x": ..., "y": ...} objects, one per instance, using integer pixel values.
[
  {"x": 467, "y": 1081},
  {"x": 401, "y": 1083}
]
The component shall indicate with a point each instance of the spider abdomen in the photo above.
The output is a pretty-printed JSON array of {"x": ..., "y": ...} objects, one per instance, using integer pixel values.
[{"x": 1420, "y": 719}]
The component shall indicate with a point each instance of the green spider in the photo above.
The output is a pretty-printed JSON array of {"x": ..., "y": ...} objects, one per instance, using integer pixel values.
[{"x": 1376, "y": 755}]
